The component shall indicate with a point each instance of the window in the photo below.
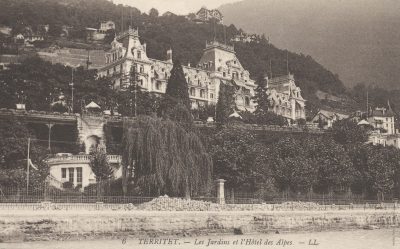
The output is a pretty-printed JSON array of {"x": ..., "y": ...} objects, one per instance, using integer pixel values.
[
  {"x": 141, "y": 82},
  {"x": 63, "y": 173},
  {"x": 139, "y": 55},
  {"x": 108, "y": 72},
  {"x": 224, "y": 74},
  {"x": 71, "y": 174},
  {"x": 141, "y": 69},
  {"x": 192, "y": 91},
  {"x": 211, "y": 96},
  {"x": 202, "y": 93},
  {"x": 247, "y": 101},
  {"x": 79, "y": 175},
  {"x": 158, "y": 86}
]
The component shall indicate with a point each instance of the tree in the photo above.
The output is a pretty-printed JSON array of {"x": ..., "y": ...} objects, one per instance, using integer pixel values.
[
  {"x": 347, "y": 132},
  {"x": 239, "y": 159},
  {"x": 177, "y": 87},
  {"x": 110, "y": 35},
  {"x": 13, "y": 154},
  {"x": 382, "y": 166},
  {"x": 226, "y": 103},
  {"x": 176, "y": 102},
  {"x": 336, "y": 170},
  {"x": 99, "y": 163},
  {"x": 166, "y": 158},
  {"x": 261, "y": 97},
  {"x": 293, "y": 164},
  {"x": 153, "y": 13}
]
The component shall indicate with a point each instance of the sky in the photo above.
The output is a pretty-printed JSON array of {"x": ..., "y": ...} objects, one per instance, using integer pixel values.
[{"x": 176, "y": 6}]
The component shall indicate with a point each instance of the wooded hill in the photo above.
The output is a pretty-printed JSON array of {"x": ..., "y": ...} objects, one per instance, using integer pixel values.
[{"x": 186, "y": 38}]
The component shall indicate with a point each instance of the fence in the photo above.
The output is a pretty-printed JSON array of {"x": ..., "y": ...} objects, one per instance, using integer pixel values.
[{"x": 112, "y": 195}]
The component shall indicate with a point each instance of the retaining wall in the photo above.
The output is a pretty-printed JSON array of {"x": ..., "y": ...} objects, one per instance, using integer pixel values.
[{"x": 38, "y": 225}]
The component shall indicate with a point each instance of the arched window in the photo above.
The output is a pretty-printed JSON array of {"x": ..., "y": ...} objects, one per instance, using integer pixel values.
[{"x": 202, "y": 93}]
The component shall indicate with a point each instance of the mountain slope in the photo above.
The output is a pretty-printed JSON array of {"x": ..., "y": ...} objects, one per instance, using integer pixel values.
[
  {"x": 357, "y": 39},
  {"x": 186, "y": 38}
]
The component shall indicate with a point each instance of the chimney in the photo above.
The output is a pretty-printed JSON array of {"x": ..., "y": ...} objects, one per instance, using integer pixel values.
[{"x": 169, "y": 55}]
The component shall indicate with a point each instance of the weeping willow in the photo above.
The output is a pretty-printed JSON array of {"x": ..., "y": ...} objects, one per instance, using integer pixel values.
[{"x": 161, "y": 157}]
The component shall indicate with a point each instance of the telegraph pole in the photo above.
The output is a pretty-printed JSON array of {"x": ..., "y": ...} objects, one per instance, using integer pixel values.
[
  {"x": 72, "y": 90},
  {"x": 27, "y": 167}
]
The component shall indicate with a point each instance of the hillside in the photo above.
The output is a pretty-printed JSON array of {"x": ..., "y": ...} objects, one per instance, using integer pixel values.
[
  {"x": 187, "y": 39},
  {"x": 357, "y": 39}
]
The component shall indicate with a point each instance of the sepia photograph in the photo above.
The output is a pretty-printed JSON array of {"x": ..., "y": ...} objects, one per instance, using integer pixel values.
[{"x": 187, "y": 124}]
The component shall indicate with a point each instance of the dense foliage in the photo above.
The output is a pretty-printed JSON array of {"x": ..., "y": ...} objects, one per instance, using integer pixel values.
[
  {"x": 305, "y": 165},
  {"x": 166, "y": 158},
  {"x": 14, "y": 136}
]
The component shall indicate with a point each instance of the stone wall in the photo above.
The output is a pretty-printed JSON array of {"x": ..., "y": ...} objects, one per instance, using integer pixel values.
[{"x": 39, "y": 225}]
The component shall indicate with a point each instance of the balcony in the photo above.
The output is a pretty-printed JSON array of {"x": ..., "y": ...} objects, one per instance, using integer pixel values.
[{"x": 80, "y": 159}]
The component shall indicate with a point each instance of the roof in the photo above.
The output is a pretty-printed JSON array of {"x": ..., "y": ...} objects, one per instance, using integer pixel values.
[
  {"x": 382, "y": 112},
  {"x": 92, "y": 105},
  {"x": 331, "y": 114},
  {"x": 363, "y": 122},
  {"x": 235, "y": 115}
]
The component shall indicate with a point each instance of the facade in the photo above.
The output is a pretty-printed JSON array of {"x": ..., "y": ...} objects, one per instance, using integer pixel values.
[
  {"x": 105, "y": 26},
  {"x": 383, "y": 123},
  {"x": 246, "y": 38},
  {"x": 286, "y": 97},
  {"x": 206, "y": 15},
  {"x": 328, "y": 118},
  {"x": 93, "y": 34},
  {"x": 383, "y": 120},
  {"x": 218, "y": 65},
  {"x": 75, "y": 169}
]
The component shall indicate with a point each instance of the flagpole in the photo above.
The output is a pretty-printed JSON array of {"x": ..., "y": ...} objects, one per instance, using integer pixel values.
[{"x": 27, "y": 167}]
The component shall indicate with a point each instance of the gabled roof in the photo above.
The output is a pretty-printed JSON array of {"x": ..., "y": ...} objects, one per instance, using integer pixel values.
[
  {"x": 92, "y": 105},
  {"x": 382, "y": 112}
]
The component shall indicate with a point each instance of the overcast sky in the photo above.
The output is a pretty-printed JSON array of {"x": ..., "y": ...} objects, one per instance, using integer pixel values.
[{"x": 175, "y": 6}]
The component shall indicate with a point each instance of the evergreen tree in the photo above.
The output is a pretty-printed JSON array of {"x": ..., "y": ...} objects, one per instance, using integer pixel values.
[
  {"x": 176, "y": 102},
  {"x": 261, "y": 96},
  {"x": 177, "y": 87},
  {"x": 226, "y": 102}
]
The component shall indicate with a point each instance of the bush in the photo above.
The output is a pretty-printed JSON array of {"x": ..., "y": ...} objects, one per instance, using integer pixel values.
[{"x": 68, "y": 185}]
